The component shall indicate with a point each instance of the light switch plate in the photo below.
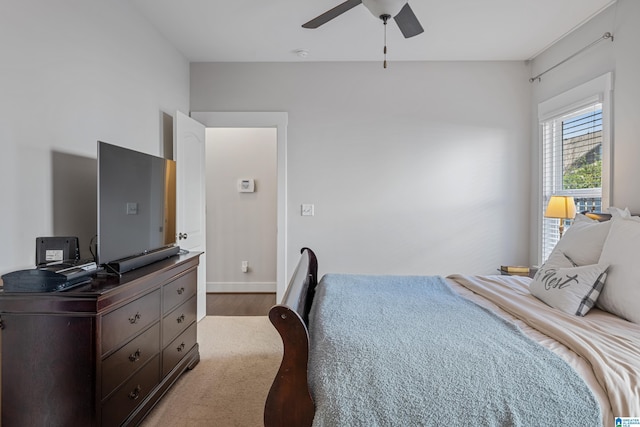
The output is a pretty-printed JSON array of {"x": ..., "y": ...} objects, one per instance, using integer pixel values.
[
  {"x": 132, "y": 208},
  {"x": 307, "y": 209}
]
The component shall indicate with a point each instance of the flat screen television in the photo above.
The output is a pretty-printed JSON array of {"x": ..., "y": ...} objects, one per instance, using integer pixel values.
[{"x": 136, "y": 208}]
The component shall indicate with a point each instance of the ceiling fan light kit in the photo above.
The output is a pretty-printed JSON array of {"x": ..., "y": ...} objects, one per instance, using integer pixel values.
[{"x": 383, "y": 9}]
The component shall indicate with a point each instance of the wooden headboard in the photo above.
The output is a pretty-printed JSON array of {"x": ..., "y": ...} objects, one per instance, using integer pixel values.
[{"x": 598, "y": 216}]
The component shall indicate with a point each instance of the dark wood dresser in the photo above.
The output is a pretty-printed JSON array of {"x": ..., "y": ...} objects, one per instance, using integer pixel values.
[{"x": 101, "y": 354}]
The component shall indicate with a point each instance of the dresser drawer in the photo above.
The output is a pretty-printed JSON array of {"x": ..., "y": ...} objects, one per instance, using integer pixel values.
[
  {"x": 175, "y": 351},
  {"x": 118, "y": 407},
  {"x": 178, "y": 291},
  {"x": 129, "y": 320},
  {"x": 177, "y": 321},
  {"x": 124, "y": 362}
]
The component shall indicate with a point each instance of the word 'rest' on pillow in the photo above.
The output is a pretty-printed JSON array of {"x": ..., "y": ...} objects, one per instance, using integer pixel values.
[
  {"x": 621, "y": 250},
  {"x": 572, "y": 290},
  {"x": 582, "y": 243}
]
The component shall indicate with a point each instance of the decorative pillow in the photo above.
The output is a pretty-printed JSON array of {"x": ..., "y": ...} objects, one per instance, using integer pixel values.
[
  {"x": 621, "y": 250},
  {"x": 573, "y": 290},
  {"x": 583, "y": 241}
]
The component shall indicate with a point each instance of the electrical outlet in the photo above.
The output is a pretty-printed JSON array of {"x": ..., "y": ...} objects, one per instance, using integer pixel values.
[{"x": 245, "y": 266}]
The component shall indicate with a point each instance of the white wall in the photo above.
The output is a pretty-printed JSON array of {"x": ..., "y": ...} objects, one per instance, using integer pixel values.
[
  {"x": 621, "y": 57},
  {"x": 74, "y": 72},
  {"x": 241, "y": 226},
  {"x": 417, "y": 169}
]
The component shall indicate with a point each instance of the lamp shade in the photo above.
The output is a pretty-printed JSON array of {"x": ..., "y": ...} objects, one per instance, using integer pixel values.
[{"x": 561, "y": 207}]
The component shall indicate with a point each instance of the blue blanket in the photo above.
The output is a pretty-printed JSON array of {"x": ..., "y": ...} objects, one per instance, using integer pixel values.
[{"x": 409, "y": 351}]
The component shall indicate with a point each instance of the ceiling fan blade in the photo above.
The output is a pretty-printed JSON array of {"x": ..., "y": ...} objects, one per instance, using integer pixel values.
[
  {"x": 330, "y": 14},
  {"x": 408, "y": 22}
]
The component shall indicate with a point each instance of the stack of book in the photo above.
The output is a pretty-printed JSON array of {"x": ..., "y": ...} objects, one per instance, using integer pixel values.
[{"x": 515, "y": 270}]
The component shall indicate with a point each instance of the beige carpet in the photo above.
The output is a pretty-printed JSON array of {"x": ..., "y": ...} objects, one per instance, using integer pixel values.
[{"x": 239, "y": 357}]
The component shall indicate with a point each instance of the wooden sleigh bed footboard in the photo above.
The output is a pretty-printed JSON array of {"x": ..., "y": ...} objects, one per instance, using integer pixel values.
[{"x": 289, "y": 402}]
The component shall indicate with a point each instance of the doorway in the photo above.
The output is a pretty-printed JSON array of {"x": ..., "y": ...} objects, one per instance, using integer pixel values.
[
  {"x": 241, "y": 171},
  {"x": 277, "y": 120}
]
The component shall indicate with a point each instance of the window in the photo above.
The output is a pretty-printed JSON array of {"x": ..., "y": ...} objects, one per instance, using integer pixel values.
[{"x": 575, "y": 152}]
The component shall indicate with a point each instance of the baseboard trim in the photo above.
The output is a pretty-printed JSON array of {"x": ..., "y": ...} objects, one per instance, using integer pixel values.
[{"x": 241, "y": 287}]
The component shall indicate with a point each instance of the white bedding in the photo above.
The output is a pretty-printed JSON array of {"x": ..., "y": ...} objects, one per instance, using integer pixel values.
[{"x": 602, "y": 348}]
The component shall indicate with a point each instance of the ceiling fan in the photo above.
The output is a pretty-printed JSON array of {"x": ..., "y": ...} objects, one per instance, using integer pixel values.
[{"x": 383, "y": 9}]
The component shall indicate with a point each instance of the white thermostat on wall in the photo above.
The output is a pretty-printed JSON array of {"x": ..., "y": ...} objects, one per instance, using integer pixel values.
[{"x": 246, "y": 185}]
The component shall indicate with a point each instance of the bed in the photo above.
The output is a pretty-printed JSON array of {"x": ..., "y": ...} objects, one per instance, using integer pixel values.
[{"x": 466, "y": 350}]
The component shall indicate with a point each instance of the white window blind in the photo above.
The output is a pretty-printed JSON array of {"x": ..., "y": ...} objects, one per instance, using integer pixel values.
[
  {"x": 572, "y": 164},
  {"x": 575, "y": 147}
]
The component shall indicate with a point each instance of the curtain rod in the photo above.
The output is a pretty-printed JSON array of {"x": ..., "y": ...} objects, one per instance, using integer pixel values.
[{"x": 605, "y": 36}]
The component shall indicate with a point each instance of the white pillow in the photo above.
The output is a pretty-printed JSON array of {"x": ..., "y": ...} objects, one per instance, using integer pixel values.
[
  {"x": 621, "y": 250},
  {"x": 583, "y": 241},
  {"x": 558, "y": 259},
  {"x": 573, "y": 290},
  {"x": 619, "y": 213}
]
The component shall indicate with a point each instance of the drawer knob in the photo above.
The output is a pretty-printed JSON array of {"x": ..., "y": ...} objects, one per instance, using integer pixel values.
[
  {"x": 180, "y": 290},
  {"x": 134, "y": 357},
  {"x": 135, "y": 394},
  {"x": 181, "y": 347},
  {"x": 134, "y": 319},
  {"x": 180, "y": 319}
]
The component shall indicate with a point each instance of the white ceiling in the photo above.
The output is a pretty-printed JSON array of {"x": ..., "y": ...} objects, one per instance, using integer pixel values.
[{"x": 270, "y": 30}]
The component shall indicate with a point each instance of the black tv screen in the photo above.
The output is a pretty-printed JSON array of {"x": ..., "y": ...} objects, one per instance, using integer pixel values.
[{"x": 136, "y": 203}]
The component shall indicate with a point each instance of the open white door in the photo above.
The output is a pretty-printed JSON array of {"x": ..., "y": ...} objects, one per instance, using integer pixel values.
[{"x": 189, "y": 146}]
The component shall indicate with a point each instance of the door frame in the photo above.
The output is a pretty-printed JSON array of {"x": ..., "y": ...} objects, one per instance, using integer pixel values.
[{"x": 279, "y": 120}]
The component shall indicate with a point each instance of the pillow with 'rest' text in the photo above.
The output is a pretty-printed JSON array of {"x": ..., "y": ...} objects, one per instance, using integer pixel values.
[
  {"x": 573, "y": 290},
  {"x": 621, "y": 295}
]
